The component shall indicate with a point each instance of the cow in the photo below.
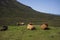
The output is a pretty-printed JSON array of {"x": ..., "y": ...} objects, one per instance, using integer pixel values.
[
  {"x": 20, "y": 23},
  {"x": 44, "y": 26},
  {"x": 4, "y": 28},
  {"x": 30, "y": 26}
]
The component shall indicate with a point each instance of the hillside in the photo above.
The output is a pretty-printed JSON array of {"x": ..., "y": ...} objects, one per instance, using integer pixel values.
[{"x": 12, "y": 12}]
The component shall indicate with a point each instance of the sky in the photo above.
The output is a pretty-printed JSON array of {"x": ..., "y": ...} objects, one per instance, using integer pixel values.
[{"x": 47, "y": 6}]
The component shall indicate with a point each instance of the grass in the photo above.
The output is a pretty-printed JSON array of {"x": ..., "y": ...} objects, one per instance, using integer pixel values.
[{"x": 21, "y": 33}]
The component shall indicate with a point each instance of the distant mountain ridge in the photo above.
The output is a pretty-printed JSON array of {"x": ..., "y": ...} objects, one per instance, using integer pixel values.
[{"x": 12, "y": 12}]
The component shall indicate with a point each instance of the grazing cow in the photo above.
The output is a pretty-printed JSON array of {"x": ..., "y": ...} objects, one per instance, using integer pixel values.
[
  {"x": 4, "y": 28},
  {"x": 44, "y": 26},
  {"x": 22, "y": 23},
  {"x": 19, "y": 24},
  {"x": 30, "y": 27}
]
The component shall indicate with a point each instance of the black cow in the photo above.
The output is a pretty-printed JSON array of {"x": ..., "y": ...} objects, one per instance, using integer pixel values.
[{"x": 4, "y": 28}]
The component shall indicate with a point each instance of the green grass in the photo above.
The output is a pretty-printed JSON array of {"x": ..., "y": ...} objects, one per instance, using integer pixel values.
[{"x": 21, "y": 33}]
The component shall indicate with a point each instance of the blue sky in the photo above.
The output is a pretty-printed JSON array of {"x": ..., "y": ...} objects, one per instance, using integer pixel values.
[{"x": 47, "y": 6}]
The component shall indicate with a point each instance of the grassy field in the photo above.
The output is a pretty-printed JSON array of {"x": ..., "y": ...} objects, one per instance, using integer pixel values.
[{"x": 21, "y": 33}]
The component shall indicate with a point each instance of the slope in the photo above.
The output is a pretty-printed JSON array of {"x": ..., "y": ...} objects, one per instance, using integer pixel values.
[{"x": 12, "y": 12}]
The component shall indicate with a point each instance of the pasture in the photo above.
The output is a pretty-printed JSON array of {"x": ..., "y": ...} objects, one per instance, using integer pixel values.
[{"x": 21, "y": 33}]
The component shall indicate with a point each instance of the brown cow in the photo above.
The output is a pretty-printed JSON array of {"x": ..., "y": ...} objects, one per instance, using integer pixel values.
[
  {"x": 44, "y": 26},
  {"x": 30, "y": 26}
]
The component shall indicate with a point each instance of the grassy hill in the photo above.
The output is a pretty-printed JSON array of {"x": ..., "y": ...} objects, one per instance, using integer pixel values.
[
  {"x": 12, "y": 12},
  {"x": 21, "y": 33}
]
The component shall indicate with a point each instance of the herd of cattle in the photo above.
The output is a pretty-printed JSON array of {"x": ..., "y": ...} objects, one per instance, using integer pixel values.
[{"x": 30, "y": 26}]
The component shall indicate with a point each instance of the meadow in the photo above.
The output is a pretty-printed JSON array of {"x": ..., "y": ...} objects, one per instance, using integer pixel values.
[{"x": 21, "y": 33}]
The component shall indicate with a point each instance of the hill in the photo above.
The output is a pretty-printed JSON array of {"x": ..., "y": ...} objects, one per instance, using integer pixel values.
[{"x": 11, "y": 12}]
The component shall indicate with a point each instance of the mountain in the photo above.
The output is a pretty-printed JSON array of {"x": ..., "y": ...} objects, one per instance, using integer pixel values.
[{"x": 12, "y": 11}]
